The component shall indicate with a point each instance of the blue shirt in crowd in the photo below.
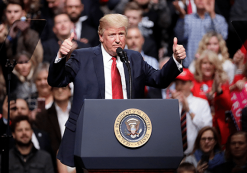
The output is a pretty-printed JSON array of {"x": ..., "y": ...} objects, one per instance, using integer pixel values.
[{"x": 192, "y": 28}]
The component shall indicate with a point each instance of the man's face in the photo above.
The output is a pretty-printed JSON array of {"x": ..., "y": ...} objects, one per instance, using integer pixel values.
[
  {"x": 53, "y": 4},
  {"x": 74, "y": 9},
  {"x": 134, "y": 17},
  {"x": 22, "y": 107},
  {"x": 238, "y": 146},
  {"x": 142, "y": 2},
  {"x": 57, "y": 6},
  {"x": 23, "y": 133},
  {"x": 13, "y": 12},
  {"x": 113, "y": 38},
  {"x": 200, "y": 4},
  {"x": 184, "y": 86},
  {"x": 61, "y": 94},
  {"x": 42, "y": 85},
  {"x": 62, "y": 25},
  {"x": 134, "y": 39}
]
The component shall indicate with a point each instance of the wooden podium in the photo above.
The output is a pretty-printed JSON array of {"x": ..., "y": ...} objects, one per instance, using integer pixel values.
[{"x": 98, "y": 150}]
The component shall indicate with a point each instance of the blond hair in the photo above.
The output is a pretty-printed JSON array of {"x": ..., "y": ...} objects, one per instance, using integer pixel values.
[
  {"x": 223, "y": 50},
  {"x": 112, "y": 20},
  {"x": 213, "y": 58}
]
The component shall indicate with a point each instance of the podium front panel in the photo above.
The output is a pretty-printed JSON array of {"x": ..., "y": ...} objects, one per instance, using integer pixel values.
[{"x": 98, "y": 147}]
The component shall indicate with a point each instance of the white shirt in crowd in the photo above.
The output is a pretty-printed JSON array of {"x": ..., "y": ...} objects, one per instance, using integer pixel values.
[
  {"x": 78, "y": 26},
  {"x": 203, "y": 117},
  {"x": 62, "y": 117}
]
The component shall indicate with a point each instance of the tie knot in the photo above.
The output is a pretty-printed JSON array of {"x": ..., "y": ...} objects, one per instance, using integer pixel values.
[{"x": 114, "y": 58}]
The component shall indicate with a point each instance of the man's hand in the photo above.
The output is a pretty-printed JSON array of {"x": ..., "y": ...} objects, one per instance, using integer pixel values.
[
  {"x": 181, "y": 11},
  {"x": 178, "y": 51},
  {"x": 5, "y": 108},
  {"x": 66, "y": 46},
  {"x": 3, "y": 33},
  {"x": 209, "y": 6}
]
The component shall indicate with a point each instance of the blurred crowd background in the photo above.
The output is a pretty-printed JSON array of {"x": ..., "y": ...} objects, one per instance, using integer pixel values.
[{"x": 212, "y": 90}]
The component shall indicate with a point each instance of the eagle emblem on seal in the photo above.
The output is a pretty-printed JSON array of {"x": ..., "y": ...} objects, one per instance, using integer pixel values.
[{"x": 132, "y": 125}]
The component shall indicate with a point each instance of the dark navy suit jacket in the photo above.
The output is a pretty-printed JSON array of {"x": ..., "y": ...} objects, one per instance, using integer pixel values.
[{"x": 85, "y": 69}]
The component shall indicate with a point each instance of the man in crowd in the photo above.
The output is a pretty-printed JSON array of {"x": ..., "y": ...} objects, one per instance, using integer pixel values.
[
  {"x": 20, "y": 107},
  {"x": 191, "y": 28},
  {"x": 155, "y": 21},
  {"x": 98, "y": 73},
  {"x": 134, "y": 13},
  {"x": 135, "y": 42},
  {"x": 53, "y": 119},
  {"x": 62, "y": 28},
  {"x": 24, "y": 157},
  {"x": 195, "y": 111},
  {"x": 83, "y": 32}
]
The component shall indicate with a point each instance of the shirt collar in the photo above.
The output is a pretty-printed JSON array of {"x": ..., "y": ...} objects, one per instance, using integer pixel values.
[
  {"x": 59, "y": 109},
  {"x": 106, "y": 56},
  {"x": 206, "y": 15}
]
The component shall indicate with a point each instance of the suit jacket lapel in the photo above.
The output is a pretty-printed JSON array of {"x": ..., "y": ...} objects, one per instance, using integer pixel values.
[
  {"x": 126, "y": 73},
  {"x": 54, "y": 121},
  {"x": 99, "y": 69}
]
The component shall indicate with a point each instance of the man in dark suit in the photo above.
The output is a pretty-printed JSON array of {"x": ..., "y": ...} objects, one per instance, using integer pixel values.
[
  {"x": 62, "y": 28},
  {"x": 83, "y": 32},
  {"x": 98, "y": 73},
  {"x": 53, "y": 119}
]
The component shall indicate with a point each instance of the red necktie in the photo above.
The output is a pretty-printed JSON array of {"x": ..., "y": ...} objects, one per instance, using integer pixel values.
[
  {"x": 117, "y": 91},
  {"x": 189, "y": 8}
]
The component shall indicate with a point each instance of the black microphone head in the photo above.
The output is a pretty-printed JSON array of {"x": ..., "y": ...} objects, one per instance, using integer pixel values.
[{"x": 119, "y": 50}]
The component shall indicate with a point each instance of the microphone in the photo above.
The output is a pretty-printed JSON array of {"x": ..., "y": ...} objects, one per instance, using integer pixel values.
[
  {"x": 122, "y": 55},
  {"x": 124, "y": 59}
]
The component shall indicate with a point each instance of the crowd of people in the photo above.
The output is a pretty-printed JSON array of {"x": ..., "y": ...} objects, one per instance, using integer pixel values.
[{"x": 211, "y": 90}]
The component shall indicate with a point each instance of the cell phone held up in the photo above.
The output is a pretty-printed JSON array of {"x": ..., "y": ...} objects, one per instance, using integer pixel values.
[
  {"x": 40, "y": 104},
  {"x": 205, "y": 158}
]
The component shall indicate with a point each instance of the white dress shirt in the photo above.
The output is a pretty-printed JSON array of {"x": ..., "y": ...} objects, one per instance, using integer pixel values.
[
  {"x": 203, "y": 117},
  {"x": 107, "y": 61},
  {"x": 78, "y": 26},
  {"x": 62, "y": 117}
]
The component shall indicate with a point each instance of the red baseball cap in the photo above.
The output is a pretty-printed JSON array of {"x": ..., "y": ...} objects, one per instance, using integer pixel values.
[{"x": 185, "y": 75}]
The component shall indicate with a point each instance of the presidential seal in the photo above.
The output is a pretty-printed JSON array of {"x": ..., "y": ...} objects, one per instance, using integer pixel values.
[{"x": 132, "y": 128}]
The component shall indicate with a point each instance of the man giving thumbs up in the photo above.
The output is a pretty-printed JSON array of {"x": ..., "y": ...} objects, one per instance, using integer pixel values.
[{"x": 96, "y": 71}]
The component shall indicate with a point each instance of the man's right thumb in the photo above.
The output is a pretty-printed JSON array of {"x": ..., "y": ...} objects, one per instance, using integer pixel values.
[{"x": 72, "y": 36}]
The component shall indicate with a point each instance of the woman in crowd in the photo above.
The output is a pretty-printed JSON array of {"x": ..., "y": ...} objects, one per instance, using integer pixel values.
[
  {"x": 24, "y": 70},
  {"x": 235, "y": 154},
  {"x": 207, "y": 151},
  {"x": 211, "y": 83},
  {"x": 214, "y": 41},
  {"x": 43, "y": 89}
]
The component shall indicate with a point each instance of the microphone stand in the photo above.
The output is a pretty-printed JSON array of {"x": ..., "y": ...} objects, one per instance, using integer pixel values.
[
  {"x": 126, "y": 62},
  {"x": 7, "y": 136}
]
